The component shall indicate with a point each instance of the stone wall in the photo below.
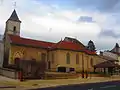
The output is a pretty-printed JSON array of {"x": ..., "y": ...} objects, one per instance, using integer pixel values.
[{"x": 9, "y": 73}]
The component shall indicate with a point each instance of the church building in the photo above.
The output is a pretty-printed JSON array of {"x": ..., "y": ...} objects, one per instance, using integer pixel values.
[{"x": 35, "y": 56}]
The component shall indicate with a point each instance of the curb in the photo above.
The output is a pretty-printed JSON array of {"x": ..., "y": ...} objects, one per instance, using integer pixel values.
[{"x": 59, "y": 85}]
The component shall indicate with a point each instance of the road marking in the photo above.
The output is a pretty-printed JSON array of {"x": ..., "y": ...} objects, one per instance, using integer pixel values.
[{"x": 108, "y": 86}]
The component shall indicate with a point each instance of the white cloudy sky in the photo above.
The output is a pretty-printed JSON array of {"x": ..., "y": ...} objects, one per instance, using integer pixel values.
[{"x": 51, "y": 20}]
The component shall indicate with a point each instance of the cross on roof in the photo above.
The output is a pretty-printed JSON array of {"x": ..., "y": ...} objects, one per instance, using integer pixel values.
[{"x": 14, "y": 5}]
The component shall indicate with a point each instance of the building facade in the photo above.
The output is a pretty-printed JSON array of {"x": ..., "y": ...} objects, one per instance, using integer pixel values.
[{"x": 65, "y": 56}]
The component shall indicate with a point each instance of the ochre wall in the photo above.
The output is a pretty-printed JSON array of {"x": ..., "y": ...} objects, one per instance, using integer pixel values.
[
  {"x": 53, "y": 65},
  {"x": 26, "y": 53},
  {"x": 60, "y": 60}
]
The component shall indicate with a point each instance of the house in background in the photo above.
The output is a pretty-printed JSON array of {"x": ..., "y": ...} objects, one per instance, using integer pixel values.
[
  {"x": 116, "y": 51},
  {"x": 112, "y": 60}
]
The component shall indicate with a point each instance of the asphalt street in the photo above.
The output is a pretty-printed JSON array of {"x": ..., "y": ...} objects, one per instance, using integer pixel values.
[{"x": 112, "y": 85}]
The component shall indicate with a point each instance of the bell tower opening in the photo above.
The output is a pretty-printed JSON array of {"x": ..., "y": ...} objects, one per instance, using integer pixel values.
[{"x": 14, "y": 29}]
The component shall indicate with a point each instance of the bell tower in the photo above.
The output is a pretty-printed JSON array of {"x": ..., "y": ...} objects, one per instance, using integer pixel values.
[{"x": 13, "y": 25}]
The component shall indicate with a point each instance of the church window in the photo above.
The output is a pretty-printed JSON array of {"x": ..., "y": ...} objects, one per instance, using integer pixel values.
[
  {"x": 91, "y": 62},
  {"x": 39, "y": 55},
  {"x": 68, "y": 58},
  {"x": 77, "y": 58},
  {"x": 52, "y": 57},
  {"x": 43, "y": 56}
]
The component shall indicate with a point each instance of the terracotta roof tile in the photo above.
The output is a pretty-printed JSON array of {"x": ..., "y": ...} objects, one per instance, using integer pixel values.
[
  {"x": 67, "y": 45},
  {"x": 72, "y": 46},
  {"x": 24, "y": 41},
  {"x": 60, "y": 45},
  {"x": 90, "y": 52}
]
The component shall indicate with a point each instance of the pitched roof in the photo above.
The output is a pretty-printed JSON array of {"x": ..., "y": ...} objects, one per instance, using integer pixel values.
[
  {"x": 67, "y": 45},
  {"x": 90, "y": 52},
  {"x": 108, "y": 58},
  {"x": 30, "y": 42},
  {"x": 14, "y": 16},
  {"x": 117, "y": 45},
  {"x": 73, "y": 40},
  {"x": 116, "y": 49},
  {"x": 71, "y": 46},
  {"x": 116, "y": 53},
  {"x": 106, "y": 64}
]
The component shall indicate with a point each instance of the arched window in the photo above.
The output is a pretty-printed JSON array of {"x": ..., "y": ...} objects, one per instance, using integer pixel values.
[
  {"x": 68, "y": 58},
  {"x": 39, "y": 55},
  {"x": 43, "y": 57},
  {"x": 91, "y": 62},
  {"x": 77, "y": 58}
]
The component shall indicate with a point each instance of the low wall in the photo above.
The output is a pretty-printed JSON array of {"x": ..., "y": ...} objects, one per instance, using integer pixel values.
[
  {"x": 60, "y": 75},
  {"x": 99, "y": 75},
  {"x": 94, "y": 75},
  {"x": 9, "y": 73}
]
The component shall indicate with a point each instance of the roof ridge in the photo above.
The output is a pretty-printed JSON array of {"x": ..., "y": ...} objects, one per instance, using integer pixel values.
[
  {"x": 56, "y": 44},
  {"x": 36, "y": 40},
  {"x": 25, "y": 41}
]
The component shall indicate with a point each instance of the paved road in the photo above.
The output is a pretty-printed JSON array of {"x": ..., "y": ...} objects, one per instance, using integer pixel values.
[{"x": 112, "y": 85}]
